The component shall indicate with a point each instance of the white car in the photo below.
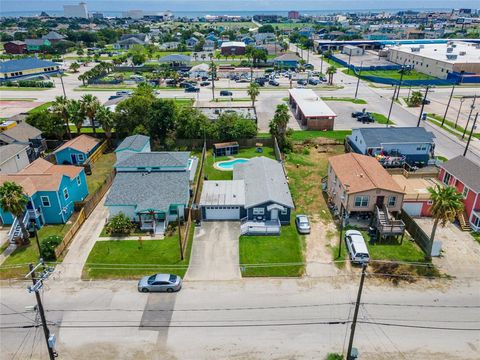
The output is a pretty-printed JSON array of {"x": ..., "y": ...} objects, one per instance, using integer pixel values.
[{"x": 356, "y": 246}]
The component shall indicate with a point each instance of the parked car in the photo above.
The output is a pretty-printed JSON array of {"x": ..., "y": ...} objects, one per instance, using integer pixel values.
[
  {"x": 186, "y": 84},
  {"x": 308, "y": 66},
  {"x": 160, "y": 283},
  {"x": 302, "y": 82},
  {"x": 356, "y": 246},
  {"x": 323, "y": 79},
  {"x": 205, "y": 78},
  {"x": 261, "y": 81},
  {"x": 274, "y": 82},
  {"x": 357, "y": 114},
  {"x": 243, "y": 80},
  {"x": 123, "y": 93},
  {"x": 426, "y": 102},
  {"x": 226, "y": 93},
  {"x": 366, "y": 118},
  {"x": 205, "y": 83},
  {"x": 313, "y": 81},
  {"x": 192, "y": 89},
  {"x": 303, "y": 224},
  {"x": 171, "y": 82}
]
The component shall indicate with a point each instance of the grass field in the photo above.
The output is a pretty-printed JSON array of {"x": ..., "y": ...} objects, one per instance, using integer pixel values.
[
  {"x": 13, "y": 88},
  {"x": 130, "y": 259},
  {"x": 100, "y": 171},
  {"x": 214, "y": 174},
  {"x": 286, "y": 248},
  {"x": 40, "y": 108},
  {"x": 347, "y": 99},
  {"x": 301, "y": 135},
  {"x": 382, "y": 119},
  {"x": 450, "y": 124},
  {"x": 394, "y": 74}
]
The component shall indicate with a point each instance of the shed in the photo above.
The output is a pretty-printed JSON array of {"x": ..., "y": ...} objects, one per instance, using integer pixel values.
[{"x": 225, "y": 149}]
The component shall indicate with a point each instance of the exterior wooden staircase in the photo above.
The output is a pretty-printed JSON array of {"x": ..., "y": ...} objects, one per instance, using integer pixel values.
[{"x": 462, "y": 219}]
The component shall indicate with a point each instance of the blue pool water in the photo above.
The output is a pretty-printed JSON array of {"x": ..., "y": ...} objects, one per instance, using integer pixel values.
[{"x": 228, "y": 165}]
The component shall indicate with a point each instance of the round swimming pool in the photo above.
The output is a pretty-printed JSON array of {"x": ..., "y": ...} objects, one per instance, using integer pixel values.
[{"x": 228, "y": 165}]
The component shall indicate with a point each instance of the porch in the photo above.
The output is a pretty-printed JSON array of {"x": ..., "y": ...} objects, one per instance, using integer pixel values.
[
  {"x": 255, "y": 227},
  {"x": 154, "y": 222}
]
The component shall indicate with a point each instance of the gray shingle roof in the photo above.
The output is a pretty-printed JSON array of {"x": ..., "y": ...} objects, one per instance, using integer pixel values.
[
  {"x": 24, "y": 64},
  {"x": 153, "y": 191},
  {"x": 288, "y": 57},
  {"x": 465, "y": 170},
  {"x": 264, "y": 182},
  {"x": 38, "y": 42},
  {"x": 7, "y": 151},
  {"x": 156, "y": 159},
  {"x": 53, "y": 35},
  {"x": 132, "y": 40},
  {"x": 375, "y": 137},
  {"x": 133, "y": 143},
  {"x": 175, "y": 58},
  {"x": 22, "y": 132}
]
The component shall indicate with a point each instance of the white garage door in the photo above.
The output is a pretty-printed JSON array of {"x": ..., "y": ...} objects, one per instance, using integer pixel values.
[
  {"x": 222, "y": 212},
  {"x": 413, "y": 209}
]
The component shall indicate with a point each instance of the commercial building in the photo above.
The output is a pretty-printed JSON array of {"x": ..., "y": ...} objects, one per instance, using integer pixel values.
[
  {"x": 312, "y": 111},
  {"x": 26, "y": 68},
  {"x": 76, "y": 11},
  {"x": 352, "y": 50},
  {"x": 293, "y": 15},
  {"x": 232, "y": 48},
  {"x": 439, "y": 60}
]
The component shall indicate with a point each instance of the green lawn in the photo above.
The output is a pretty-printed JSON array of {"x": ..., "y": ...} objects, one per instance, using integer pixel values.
[
  {"x": 301, "y": 135},
  {"x": 382, "y": 119},
  {"x": 40, "y": 108},
  {"x": 451, "y": 125},
  {"x": 394, "y": 74},
  {"x": 130, "y": 259},
  {"x": 286, "y": 248},
  {"x": 352, "y": 100},
  {"x": 100, "y": 171},
  {"x": 84, "y": 130},
  {"x": 476, "y": 236},
  {"x": 214, "y": 174}
]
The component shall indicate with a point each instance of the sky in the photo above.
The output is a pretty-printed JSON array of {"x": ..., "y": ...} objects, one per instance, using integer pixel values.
[{"x": 238, "y": 5}]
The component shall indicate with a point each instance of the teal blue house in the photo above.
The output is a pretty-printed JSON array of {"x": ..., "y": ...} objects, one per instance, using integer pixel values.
[
  {"x": 77, "y": 150},
  {"x": 51, "y": 190}
]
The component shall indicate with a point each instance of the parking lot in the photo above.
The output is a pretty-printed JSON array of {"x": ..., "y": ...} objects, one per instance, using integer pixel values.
[{"x": 369, "y": 58}]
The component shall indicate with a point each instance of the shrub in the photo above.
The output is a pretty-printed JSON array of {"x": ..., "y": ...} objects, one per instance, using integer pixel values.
[
  {"x": 334, "y": 356},
  {"x": 120, "y": 224},
  {"x": 48, "y": 246}
]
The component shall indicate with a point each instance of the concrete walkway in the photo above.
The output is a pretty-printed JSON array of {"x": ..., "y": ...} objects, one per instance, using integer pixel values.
[
  {"x": 215, "y": 252},
  {"x": 83, "y": 242}
]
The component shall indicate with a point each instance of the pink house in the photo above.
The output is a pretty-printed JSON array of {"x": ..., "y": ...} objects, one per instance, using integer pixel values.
[{"x": 464, "y": 175}]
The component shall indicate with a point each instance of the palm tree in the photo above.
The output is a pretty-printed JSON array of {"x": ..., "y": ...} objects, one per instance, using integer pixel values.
[
  {"x": 330, "y": 72},
  {"x": 106, "y": 120},
  {"x": 447, "y": 205},
  {"x": 75, "y": 114},
  {"x": 74, "y": 67},
  {"x": 60, "y": 107},
  {"x": 253, "y": 91},
  {"x": 89, "y": 105},
  {"x": 213, "y": 72},
  {"x": 83, "y": 77},
  {"x": 14, "y": 201}
]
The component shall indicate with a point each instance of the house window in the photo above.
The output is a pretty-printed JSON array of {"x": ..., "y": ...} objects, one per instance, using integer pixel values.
[
  {"x": 79, "y": 181},
  {"x": 81, "y": 157},
  {"x": 173, "y": 210},
  {"x": 284, "y": 211},
  {"x": 361, "y": 201},
  {"x": 446, "y": 178},
  {"x": 476, "y": 221},
  {"x": 465, "y": 192},
  {"x": 392, "y": 201},
  {"x": 65, "y": 193},
  {"x": 258, "y": 211},
  {"x": 45, "y": 201}
]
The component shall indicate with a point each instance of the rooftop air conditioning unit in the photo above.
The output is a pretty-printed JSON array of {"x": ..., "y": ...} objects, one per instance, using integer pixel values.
[
  {"x": 451, "y": 56},
  {"x": 449, "y": 49},
  {"x": 462, "y": 53},
  {"x": 422, "y": 46},
  {"x": 415, "y": 49},
  {"x": 454, "y": 45}
]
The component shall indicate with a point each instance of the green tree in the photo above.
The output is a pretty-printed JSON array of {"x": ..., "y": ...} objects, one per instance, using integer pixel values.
[
  {"x": 266, "y": 29},
  {"x": 192, "y": 124},
  {"x": 447, "y": 205},
  {"x": 213, "y": 74},
  {"x": 74, "y": 66},
  {"x": 231, "y": 126},
  {"x": 119, "y": 224},
  {"x": 106, "y": 120},
  {"x": 253, "y": 91},
  {"x": 332, "y": 70},
  {"x": 89, "y": 105},
  {"x": 14, "y": 201},
  {"x": 278, "y": 127},
  {"x": 51, "y": 124},
  {"x": 415, "y": 99},
  {"x": 162, "y": 118},
  {"x": 76, "y": 114},
  {"x": 130, "y": 113},
  {"x": 60, "y": 107}
]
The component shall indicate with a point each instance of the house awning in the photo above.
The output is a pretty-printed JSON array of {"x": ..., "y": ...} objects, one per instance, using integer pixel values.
[{"x": 275, "y": 206}]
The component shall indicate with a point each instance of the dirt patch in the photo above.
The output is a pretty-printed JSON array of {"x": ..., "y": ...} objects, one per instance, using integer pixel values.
[{"x": 318, "y": 255}]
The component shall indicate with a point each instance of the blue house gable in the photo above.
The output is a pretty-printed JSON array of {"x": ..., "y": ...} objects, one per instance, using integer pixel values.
[
  {"x": 77, "y": 150},
  {"x": 51, "y": 191}
]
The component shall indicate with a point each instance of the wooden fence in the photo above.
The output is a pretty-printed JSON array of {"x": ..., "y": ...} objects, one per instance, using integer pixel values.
[
  {"x": 416, "y": 232},
  {"x": 70, "y": 234},
  {"x": 97, "y": 153}
]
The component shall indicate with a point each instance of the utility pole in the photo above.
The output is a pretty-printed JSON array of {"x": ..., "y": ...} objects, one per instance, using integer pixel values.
[
  {"x": 469, "y": 115},
  {"x": 391, "y": 106},
  {"x": 459, "y": 110},
  {"x": 358, "y": 79},
  {"x": 355, "y": 314},
  {"x": 63, "y": 86},
  {"x": 342, "y": 225},
  {"x": 402, "y": 71},
  {"x": 321, "y": 63},
  {"x": 448, "y": 105},
  {"x": 470, "y": 136},
  {"x": 349, "y": 58},
  {"x": 423, "y": 105},
  {"x": 34, "y": 225},
  {"x": 37, "y": 285}
]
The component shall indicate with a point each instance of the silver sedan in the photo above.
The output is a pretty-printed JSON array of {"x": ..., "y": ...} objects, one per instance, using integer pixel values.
[
  {"x": 159, "y": 283},
  {"x": 303, "y": 224}
]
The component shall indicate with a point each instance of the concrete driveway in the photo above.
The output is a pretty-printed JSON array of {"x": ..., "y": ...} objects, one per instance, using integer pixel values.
[{"x": 215, "y": 252}]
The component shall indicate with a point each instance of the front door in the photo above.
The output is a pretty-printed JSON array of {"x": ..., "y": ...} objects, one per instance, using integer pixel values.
[
  {"x": 74, "y": 158},
  {"x": 274, "y": 214},
  {"x": 380, "y": 200}
]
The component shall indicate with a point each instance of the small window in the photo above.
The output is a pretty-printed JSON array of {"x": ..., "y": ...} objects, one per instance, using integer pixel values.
[
  {"x": 446, "y": 178},
  {"x": 361, "y": 201},
  {"x": 284, "y": 211},
  {"x": 430, "y": 202},
  {"x": 79, "y": 181},
  {"x": 465, "y": 192},
  {"x": 65, "y": 193},
  {"x": 45, "y": 201},
  {"x": 81, "y": 157},
  {"x": 18, "y": 156},
  {"x": 392, "y": 201},
  {"x": 258, "y": 211}
]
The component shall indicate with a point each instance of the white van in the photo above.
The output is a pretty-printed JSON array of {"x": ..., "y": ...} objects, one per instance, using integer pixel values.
[{"x": 357, "y": 249}]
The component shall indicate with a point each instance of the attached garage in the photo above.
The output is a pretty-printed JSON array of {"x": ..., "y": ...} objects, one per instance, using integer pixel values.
[
  {"x": 222, "y": 200},
  {"x": 222, "y": 213},
  {"x": 413, "y": 208}
]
